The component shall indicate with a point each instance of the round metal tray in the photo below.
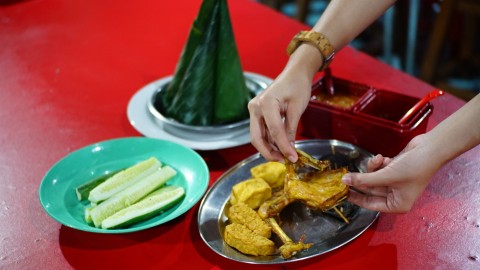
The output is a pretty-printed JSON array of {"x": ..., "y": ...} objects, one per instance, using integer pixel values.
[
  {"x": 325, "y": 230},
  {"x": 254, "y": 83}
]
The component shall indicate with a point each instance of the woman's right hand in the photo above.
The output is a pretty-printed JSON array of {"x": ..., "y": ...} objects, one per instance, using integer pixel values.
[{"x": 275, "y": 113}]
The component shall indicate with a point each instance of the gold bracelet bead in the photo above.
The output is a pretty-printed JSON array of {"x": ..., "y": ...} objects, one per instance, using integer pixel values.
[{"x": 320, "y": 41}]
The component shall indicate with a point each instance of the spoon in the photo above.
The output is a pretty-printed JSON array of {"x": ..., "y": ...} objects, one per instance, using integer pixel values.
[{"x": 435, "y": 93}]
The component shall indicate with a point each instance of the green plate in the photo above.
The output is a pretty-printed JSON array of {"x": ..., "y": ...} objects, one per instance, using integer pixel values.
[{"x": 57, "y": 190}]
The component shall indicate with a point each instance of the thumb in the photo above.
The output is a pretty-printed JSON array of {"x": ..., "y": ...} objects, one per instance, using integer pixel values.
[{"x": 293, "y": 115}]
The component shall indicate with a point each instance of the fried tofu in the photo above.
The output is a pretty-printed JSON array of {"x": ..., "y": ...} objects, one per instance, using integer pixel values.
[
  {"x": 253, "y": 192},
  {"x": 272, "y": 172}
]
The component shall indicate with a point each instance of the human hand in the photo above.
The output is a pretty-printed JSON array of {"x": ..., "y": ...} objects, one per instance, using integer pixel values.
[
  {"x": 275, "y": 113},
  {"x": 393, "y": 185}
]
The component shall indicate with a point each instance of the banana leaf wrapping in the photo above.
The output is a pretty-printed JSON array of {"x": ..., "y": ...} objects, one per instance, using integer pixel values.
[{"x": 208, "y": 87}]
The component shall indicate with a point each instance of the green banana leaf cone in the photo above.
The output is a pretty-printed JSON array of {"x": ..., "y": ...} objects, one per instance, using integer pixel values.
[{"x": 208, "y": 87}]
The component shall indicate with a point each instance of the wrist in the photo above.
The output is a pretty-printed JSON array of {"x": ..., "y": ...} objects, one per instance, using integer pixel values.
[
  {"x": 314, "y": 39},
  {"x": 430, "y": 142},
  {"x": 305, "y": 60}
]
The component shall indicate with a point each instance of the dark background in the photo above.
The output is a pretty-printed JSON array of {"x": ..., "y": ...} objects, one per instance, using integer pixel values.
[{"x": 445, "y": 53}]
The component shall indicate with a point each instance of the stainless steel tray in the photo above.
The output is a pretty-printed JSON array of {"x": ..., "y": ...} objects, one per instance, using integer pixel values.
[
  {"x": 255, "y": 84},
  {"x": 326, "y": 231}
]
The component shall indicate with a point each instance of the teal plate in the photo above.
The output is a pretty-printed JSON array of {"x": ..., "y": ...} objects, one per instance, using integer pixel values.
[{"x": 57, "y": 190}]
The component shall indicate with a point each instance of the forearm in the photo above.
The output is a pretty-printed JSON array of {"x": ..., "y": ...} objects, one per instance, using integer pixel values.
[
  {"x": 341, "y": 22},
  {"x": 456, "y": 134}
]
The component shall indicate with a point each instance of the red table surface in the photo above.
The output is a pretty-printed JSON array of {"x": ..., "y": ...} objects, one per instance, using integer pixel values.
[{"x": 67, "y": 72}]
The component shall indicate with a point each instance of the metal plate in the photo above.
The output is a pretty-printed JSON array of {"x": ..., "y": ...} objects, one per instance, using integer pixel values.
[
  {"x": 205, "y": 133},
  {"x": 145, "y": 123},
  {"x": 326, "y": 231}
]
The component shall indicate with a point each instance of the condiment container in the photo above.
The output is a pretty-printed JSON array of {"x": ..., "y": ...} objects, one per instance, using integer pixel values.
[{"x": 370, "y": 123}]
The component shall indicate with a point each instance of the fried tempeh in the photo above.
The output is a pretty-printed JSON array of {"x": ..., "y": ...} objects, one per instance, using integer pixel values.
[
  {"x": 246, "y": 241},
  {"x": 242, "y": 214}
]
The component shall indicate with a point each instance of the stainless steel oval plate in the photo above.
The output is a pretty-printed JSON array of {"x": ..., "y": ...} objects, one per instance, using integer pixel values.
[{"x": 326, "y": 231}]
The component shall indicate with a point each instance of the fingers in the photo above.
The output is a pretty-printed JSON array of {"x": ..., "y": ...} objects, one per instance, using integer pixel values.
[
  {"x": 374, "y": 163},
  {"x": 291, "y": 124},
  {"x": 386, "y": 204},
  {"x": 373, "y": 191},
  {"x": 268, "y": 132},
  {"x": 377, "y": 162},
  {"x": 375, "y": 203},
  {"x": 386, "y": 161},
  {"x": 379, "y": 174},
  {"x": 270, "y": 138},
  {"x": 276, "y": 113},
  {"x": 260, "y": 139},
  {"x": 277, "y": 132},
  {"x": 371, "y": 179}
]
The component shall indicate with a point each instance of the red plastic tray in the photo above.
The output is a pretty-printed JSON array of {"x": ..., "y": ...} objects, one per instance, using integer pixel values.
[
  {"x": 372, "y": 123},
  {"x": 342, "y": 88}
]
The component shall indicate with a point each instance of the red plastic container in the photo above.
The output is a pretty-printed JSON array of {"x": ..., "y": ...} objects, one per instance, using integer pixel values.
[
  {"x": 371, "y": 123},
  {"x": 346, "y": 93}
]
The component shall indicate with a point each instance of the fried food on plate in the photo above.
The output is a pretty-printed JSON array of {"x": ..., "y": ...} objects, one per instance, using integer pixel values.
[
  {"x": 289, "y": 247},
  {"x": 309, "y": 181},
  {"x": 252, "y": 192},
  {"x": 246, "y": 241},
  {"x": 242, "y": 214},
  {"x": 322, "y": 190},
  {"x": 272, "y": 172},
  {"x": 273, "y": 206}
]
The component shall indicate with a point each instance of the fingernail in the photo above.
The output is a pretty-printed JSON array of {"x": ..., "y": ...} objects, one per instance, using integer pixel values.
[
  {"x": 347, "y": 179},
  {"x": 292, "y": 159}
]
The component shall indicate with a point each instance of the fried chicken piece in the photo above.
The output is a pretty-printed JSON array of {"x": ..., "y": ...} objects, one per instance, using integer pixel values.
[
  {"x": 322, "y": 190},
  {"x": 289, "y": 248},
  {"x": 306, "y": 159},
  {"x": 305, "y": 187},
  {"x": 246, "y": 241},
  {"x": 242, "y": 214},
  {"x": 274, "y": 205}
]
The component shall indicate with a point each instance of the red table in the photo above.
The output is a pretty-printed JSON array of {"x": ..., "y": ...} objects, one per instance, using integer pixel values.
[{"x": 67, "y": 72}]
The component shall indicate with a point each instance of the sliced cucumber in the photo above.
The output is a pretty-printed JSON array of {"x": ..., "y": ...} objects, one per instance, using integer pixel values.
[
  {"x": 88, "y": 216},
  {"x": 83, "y": 190},
  {"x": 154, "y": 204},
  {"x": 123, "y": 179},
  {"x": 131, "y": 195}
]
